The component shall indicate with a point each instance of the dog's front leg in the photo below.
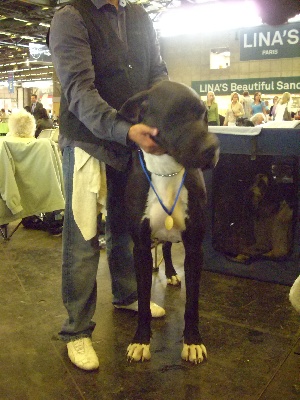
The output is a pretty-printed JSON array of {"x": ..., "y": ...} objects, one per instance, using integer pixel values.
[
  {"x": 193, "y": 348},
  {"x": 171, "y": 275},
  {"x": 139, "y": 348}
]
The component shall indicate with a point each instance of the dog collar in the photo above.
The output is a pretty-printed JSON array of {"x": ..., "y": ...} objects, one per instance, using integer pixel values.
[
  {"x": 167, "y": 175},
  {"x": 169, "y": 219}
]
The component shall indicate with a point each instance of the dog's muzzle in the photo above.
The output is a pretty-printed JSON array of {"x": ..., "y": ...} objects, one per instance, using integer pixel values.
[{"x": 212, "y": 156}]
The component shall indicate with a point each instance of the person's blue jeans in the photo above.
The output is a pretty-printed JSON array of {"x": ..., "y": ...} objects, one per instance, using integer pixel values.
[{"x": 81, "y": 257}]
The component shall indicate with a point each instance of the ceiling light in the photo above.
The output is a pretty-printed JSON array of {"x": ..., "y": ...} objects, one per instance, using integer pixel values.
[
  {"x": 22, "y": 20},
  {"x": 39, "y": 84},
  {"x": 191, "y": 20}
]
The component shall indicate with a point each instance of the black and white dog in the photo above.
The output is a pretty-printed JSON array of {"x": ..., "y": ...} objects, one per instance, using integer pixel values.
[{"x": 165, "y": 200}]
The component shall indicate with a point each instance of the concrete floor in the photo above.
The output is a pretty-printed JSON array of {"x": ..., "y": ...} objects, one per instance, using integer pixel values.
[{"x": 249, "y": 328}]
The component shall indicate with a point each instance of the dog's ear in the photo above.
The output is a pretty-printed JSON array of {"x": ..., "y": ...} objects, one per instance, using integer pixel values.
[{"x": 133, "y": 110}]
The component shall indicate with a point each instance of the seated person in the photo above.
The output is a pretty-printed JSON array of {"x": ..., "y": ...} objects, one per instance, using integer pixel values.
[
  {"x": 22, "y": 124},
  {"x": 3, "y": 115},
  {"x": 297, "y": 115},
  {"x": 258, "y": 119},
  {"x": 43, "y": 121}
]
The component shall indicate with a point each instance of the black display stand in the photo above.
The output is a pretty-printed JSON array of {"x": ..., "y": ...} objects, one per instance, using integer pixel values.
[{"x": 277, "y": 143}]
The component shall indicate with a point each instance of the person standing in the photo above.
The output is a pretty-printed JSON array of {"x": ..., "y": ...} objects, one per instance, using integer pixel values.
[
  {"x": 283, "y": 112},
  {"x": 234, "y": 110},
  {"x": 267, "y": 107},
  {"x": 36, "y": 106},
  {"x": 117, "y": 55},
  {"x": 258, "y": 106},
  {"x": 246, "y": 102},
  {"x": 212, "y": 109},
  {"x": 273, "y": 108}
]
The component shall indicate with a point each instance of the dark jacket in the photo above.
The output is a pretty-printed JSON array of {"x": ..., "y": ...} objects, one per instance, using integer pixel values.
[
  {"x": 119, "y": 73},
  {"x": 38, "y": 107}
]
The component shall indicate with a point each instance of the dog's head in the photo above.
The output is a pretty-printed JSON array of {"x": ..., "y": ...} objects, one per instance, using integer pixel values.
[
  {"x": 181, "y": 119},
  {"x": 21, "y": 124}
]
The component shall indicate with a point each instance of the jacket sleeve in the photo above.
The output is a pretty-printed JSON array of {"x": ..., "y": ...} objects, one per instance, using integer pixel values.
[{"x": 72, "y": 60}]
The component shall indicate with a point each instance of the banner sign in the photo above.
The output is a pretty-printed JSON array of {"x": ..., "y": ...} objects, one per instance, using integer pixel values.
[
  {"x": 265, "y": 42},
  {"x": 10, "y": 81},
  {"x": 264, "y": 85}
]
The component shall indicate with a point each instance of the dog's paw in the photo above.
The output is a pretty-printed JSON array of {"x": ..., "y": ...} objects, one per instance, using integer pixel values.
[
  {"x": 138, "y": 352},
  {"x": 174, "y": 280},
  {"x": 294, "y": 295},
  {"x": 194, "y": 353}
]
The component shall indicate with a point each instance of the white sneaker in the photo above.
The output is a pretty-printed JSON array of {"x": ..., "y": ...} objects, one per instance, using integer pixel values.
[
  {"x": 156, "y": 310},
  {"x": 82, "y": 354}
]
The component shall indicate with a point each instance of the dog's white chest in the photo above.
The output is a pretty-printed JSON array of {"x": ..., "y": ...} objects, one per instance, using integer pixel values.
[{"x": 167, "y": 189}]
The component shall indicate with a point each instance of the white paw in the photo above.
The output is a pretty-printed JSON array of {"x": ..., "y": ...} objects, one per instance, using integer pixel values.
[
  {"x": 194, "y": 353},
  {"x": 137, "y": 352},
  {"x": 294, "y": 295},
  {"x": 174, "y": 280}
]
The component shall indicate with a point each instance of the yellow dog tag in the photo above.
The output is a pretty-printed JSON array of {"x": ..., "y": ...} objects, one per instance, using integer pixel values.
[{"x": 169, "y": 222}]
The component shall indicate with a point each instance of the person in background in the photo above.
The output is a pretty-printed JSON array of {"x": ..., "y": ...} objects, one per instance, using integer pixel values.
[
  {"x": 42, "y": 121},
  {"x": 273, "y": 108},
  {"x": 212, "y": 109},
  {"x": 283, "y": 111},
  {"x": 234, "y": 110},
  {"x": 54, "y": 118},
  {"x": 4, "y": 115},
  {"x": 35, "y": 106},
  {"x": 21, "y": 124},
  {"x": 258, "y": 119},
  {"x": 258, "y": 106},
  {"x": 267, "y": 108},
  {"x": 117, "y": 55},
  {"x": 297, "y": 115},
  {"x": 246, "y": 102}
]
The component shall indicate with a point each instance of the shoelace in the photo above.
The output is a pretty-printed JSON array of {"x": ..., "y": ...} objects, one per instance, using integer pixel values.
[{"x": 79, "y": 347}]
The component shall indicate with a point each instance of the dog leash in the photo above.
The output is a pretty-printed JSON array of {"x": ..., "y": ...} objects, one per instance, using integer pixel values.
[{"x": 169, "y": 219}]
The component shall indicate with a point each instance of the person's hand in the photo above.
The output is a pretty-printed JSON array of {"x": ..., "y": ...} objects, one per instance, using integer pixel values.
[{"x": 141, "y": 135}]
